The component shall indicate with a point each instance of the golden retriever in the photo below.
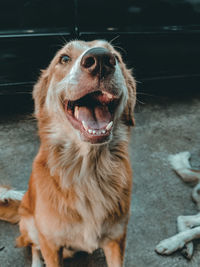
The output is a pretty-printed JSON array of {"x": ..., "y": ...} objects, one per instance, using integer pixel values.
[{"x": 80, "y": 187}]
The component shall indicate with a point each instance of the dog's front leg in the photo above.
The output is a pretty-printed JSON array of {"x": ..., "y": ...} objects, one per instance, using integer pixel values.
[
  {"x": 52, "y": 255},
  {"x": 114, "y": 251},
  {"x": 169, "y": 245},
  {"x": 185, "y": 223},
  {"x": 36, "y": 260}
]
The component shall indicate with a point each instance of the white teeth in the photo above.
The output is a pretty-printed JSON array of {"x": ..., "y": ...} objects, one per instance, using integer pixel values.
[
  {"x": 76, "y": 111},
  {"x": 84, "y": 125},
  {"x": 109, "y": 126},
  {"x": 94, "y": 132},
  {"x": 108, "y": 94}
]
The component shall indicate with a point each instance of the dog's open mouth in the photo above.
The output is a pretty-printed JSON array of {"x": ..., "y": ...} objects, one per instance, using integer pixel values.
[{"x": 93, "y": 115}]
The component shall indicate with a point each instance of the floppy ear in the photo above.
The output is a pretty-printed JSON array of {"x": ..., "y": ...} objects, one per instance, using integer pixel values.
[
  {"x": 128, "y": 114},
  {"x": 39, "y": 92}
]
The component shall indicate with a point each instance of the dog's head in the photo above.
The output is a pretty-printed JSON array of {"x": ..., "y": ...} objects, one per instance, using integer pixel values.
[{"x": 86, "y": 91}]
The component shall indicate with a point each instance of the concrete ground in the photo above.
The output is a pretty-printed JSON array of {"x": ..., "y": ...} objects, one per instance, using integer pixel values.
[{"x": 164, "y": 125}]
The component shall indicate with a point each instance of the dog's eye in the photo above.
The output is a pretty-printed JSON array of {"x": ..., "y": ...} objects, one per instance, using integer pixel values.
[{"x": 64, "y": 59}]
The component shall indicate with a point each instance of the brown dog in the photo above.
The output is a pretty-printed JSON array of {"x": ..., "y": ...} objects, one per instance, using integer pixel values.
[{"x": 80, "y": 188}]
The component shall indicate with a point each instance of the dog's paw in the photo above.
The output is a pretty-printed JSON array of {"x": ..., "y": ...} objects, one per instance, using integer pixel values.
[
  {"x": 168, "y": 246},
  {"x": 188, "y": 250}
]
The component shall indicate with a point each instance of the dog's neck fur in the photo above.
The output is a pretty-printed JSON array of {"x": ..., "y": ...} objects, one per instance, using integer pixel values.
[
  {"x": 83, "y": 163},
  {"x": 72, "y": 159},
  {"x": 73, "y": 162}
]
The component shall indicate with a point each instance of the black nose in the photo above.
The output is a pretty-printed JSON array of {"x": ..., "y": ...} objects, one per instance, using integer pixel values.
[{"x": 98, "y": 61}]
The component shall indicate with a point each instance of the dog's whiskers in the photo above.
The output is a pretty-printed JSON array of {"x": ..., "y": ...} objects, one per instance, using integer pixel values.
[
  {"x": 112, "y": 40},
  {"x": 120, "y": 48}
]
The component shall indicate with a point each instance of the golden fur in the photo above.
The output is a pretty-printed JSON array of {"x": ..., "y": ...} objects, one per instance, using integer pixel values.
[
  {"x": 9, "y": 211},
  {"x": 79, "y": 193}
]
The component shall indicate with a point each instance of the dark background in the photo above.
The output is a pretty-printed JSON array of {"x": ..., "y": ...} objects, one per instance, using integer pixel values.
[{"x": 159, "y": 39}]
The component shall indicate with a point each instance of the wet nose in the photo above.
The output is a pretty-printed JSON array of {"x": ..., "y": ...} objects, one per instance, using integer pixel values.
[{"x": 98, "y": 61}]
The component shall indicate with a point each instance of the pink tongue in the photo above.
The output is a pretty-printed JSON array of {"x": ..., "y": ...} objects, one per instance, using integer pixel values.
[{"x": 95, "y": 117}]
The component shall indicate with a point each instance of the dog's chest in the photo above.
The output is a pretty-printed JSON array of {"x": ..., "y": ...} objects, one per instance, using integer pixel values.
[{"x": 84, "y": 233}]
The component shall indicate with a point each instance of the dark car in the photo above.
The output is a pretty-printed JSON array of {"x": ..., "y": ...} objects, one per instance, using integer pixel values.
[{"x": 159, "y": 39}]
